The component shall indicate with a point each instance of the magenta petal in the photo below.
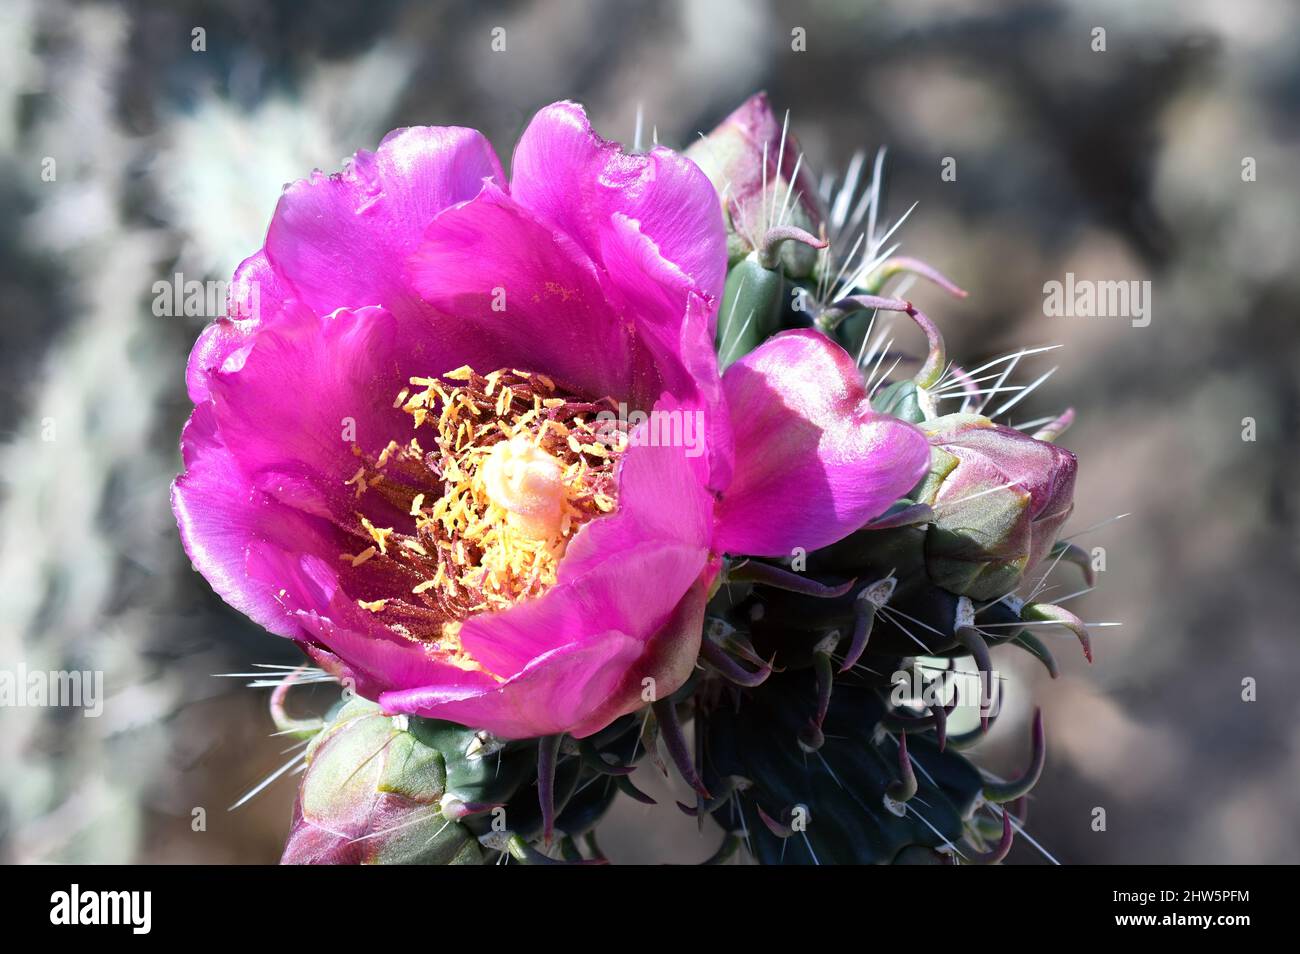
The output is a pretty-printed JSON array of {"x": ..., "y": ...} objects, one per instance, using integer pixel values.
[
  {"x": 813, "y": 461},
  {"x": 343, "y": 240},
  {"x": 517, "y": 294},
  {"x": 583, "y": 685},
  {"x": 668, "y": 656},
  {"x": 578, "y": 182},
  {"x": 578, "y": 688},
  {"x": 221, "y": 514},
  {"x": 306, "y": 388},
  {"x": 604, "y": 582},
  {"x": 688, "y": 369},
  {"x": 550, "y": 696},
  {"x": 375, "y": 657},
  {"x": 254, "y": 282}
]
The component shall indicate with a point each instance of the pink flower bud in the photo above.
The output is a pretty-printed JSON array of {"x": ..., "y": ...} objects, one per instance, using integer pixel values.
[
  {"x": 1000, "y": 498},
  {"x": 754, "y": 175}
]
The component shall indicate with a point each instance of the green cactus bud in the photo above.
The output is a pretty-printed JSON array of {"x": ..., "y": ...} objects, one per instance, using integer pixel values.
[{"x": 372, "y": 794}]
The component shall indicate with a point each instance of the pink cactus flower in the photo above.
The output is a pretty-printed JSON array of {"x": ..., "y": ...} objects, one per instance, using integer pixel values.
[{"x": 475, "y": 455}]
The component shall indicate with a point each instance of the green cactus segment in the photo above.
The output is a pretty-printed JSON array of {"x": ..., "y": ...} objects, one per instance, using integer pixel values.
[
  {"x": 750, "y": 310},
  {"x": 901, "y": 400},
  {"x": 834, "y": 801},
  {"x": 1036, "y": 648},
  {"x": 1074, "y": 554},
  {"x": 481, "y": 773},
  {"x": 492, "y": 785}
]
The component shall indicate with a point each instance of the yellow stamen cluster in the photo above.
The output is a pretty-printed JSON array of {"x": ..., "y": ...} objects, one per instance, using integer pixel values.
[{"x": 516, "y": 469}]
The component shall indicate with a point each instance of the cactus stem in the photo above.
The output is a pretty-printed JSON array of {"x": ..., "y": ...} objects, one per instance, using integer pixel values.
[
  {"x": 548, "y": 750},
  {"x": 1036, "y": 648},
  {"x": 969, "y": 637},
  {"x": 769, "y": 247},
  {"x": 905, "y": 786},
  {"x": 624, "y": 785},
  {"x": 1048, "y": 613},
  {"x": 1009, "y": 791},
  {"x": 1077, "y": 555},
  {"x": 871, "y": 599},
  {"x": 998, "y": 851},
  {"x": 730, "y": 669},
  {"x": 766, "y": 574},
  {"x": 670, "y": 730}
]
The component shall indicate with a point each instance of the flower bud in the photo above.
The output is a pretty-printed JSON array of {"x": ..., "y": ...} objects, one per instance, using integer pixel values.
[
  {"x": 372, "y": 794},
  {"x": 754, "y": 176},
  {"x": 999, "y": 497}
]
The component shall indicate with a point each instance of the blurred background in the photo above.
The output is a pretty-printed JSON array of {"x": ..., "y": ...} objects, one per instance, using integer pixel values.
[{"x": 1125, "y": 164}]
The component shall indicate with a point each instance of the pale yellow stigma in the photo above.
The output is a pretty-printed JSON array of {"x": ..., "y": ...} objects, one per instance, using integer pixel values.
[{"x": 528, "y": 484}]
